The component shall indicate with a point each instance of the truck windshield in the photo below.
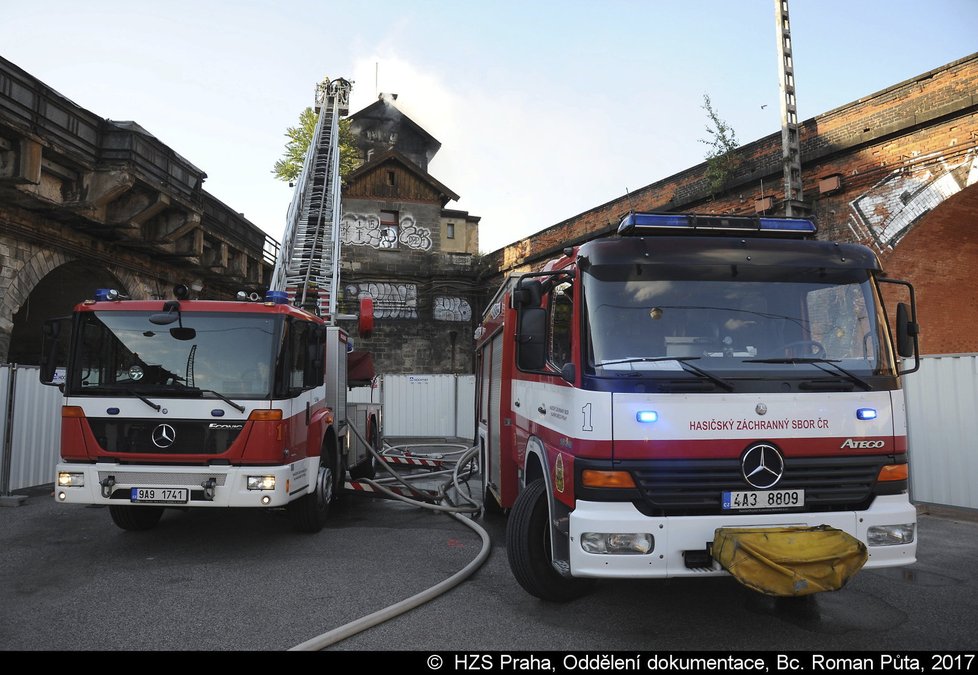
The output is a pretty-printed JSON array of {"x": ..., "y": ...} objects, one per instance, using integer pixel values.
[
  {"x": 735, "y": 321},
  {"x": 123, "y": 352}
]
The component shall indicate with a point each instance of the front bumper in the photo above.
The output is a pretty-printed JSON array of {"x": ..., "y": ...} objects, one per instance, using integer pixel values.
[
  {"x": 674, "y": 535},
  {"x": 229, "y": 484}
]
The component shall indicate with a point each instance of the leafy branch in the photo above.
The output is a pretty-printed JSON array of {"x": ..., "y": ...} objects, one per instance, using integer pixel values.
[{"x": 722, "y": 141}]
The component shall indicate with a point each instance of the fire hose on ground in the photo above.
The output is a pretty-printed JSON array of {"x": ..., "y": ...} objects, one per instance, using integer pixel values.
[{"x": 439, "y": 502}]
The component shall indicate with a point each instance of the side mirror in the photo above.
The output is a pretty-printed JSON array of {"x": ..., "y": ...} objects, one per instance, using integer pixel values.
[
  {"x": 907, "y": 331},
  {"x": 52, "y": 336},
  {"x": 528, "y": 293},
  {"x": 531, "y": 353},
  {"x": 182, "y": 333}
]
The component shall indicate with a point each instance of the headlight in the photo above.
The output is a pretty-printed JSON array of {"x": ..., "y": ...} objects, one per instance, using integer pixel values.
[
  {"x": 66, "y": 479},
  {"x": 628, "y": 543},
  {"x": 261, "y": 482},
  {"x": 890, "y": 535}
]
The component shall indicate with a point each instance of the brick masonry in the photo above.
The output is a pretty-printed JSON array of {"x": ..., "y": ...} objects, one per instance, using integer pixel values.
[{"x": 904, "y": 162}]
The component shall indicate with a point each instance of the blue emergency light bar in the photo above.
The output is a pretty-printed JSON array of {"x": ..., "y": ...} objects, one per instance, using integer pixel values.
[
  {"x": 277, "y": 297},
  {"x": 637, "y": 224}
]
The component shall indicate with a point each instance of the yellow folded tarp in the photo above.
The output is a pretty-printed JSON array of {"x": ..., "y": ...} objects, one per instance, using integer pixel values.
[{"x": 789, "y": 561}]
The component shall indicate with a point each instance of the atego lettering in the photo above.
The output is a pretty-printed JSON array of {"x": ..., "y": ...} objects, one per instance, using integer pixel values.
[{"x": 862, "y": 445}]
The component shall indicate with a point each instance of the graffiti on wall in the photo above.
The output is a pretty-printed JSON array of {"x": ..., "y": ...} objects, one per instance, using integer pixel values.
[
  {"x": 450, "y": 308},
  {"x": 391, "y": 301},
  {"x": 889, "y": 210},
  {"x": 365, "y": 229}
]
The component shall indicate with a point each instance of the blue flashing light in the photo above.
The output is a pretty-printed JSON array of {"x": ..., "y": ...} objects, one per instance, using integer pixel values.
[
  {"x": 647, "y": 416},
  {"x": 106, "y": 294},
  {"x": 648, "y": 223},
  {"x": 799, "y": 225},
  {"x": 277, "y": 297},
  {"x": 866, "y": 414}
]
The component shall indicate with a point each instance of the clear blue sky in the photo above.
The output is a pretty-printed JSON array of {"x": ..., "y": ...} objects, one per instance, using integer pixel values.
[{"x": 544, "y": 108}]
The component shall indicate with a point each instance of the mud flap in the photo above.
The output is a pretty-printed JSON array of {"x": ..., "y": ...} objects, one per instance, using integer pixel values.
[{"x": 789, "y": 561}]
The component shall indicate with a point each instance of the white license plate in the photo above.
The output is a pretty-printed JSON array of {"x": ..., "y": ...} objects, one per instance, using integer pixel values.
[
  {"x": 763, "y": 499},
  {"x": 144, "y": 495}
]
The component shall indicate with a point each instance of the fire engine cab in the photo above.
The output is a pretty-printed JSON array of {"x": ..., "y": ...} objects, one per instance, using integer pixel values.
[{"x": 649, "y": 395}]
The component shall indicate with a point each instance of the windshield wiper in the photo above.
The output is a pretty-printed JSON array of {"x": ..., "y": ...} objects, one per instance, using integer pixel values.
[
  {"x": 818, "y": 364},
  {"x": 123, "y": 390},
  {"x": 681, "y": 360},
  {"x": 239, "y": 408}
]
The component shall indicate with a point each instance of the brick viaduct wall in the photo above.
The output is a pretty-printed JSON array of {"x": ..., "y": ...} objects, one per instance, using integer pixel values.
[
  {"x": 84, "y": 200},
  {"x": 874, "y": 171}
]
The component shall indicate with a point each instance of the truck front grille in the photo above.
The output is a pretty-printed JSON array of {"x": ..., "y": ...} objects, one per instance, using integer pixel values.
[
  {"x": 121, "y": 437},
  {"x": 695, "y": 487}
]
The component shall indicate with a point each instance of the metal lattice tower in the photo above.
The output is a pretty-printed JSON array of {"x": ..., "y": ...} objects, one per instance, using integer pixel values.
[
  {"x": 307, "y": 267},
  {"x": 790, "y": 143}
]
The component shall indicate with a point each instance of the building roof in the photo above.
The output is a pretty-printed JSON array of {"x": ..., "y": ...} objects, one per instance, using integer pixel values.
[{"x": 394, "y": 157}]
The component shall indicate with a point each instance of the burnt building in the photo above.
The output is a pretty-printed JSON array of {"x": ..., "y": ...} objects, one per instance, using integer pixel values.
[{"x": 404, "y": 248}]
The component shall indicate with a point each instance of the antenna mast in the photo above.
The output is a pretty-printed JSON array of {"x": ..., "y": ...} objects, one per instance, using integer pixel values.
[{"x": 790, "y": 144}]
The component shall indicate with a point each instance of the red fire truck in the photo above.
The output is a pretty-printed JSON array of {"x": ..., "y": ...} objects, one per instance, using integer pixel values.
[
  {"x": 207, "y": 403},
  {"x": 693, "y": 374},
  {"x": 197, "y": 403}
]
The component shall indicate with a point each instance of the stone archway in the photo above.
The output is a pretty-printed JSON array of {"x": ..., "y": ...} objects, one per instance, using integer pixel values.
[{"x": 64, "y": 285}]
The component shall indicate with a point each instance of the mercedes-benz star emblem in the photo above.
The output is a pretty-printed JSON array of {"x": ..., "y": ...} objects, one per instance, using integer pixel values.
[
  {"x": 164, "y": 435},
  {"x": 762, "y": 466}
]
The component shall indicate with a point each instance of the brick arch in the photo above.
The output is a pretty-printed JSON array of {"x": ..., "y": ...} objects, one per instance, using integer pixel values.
[
  {"x": 26, "y": 278},
  {"x": 939, "y": 255},
  {"x": 18, "y": 329}
]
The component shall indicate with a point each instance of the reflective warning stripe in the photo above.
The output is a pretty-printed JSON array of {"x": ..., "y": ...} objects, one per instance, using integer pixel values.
[
  {"x": 358, "y": 486},
  {"x": 412, "y": 461}
]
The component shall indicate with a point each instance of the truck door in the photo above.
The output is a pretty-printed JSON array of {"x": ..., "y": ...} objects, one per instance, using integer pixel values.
[{"x": 490, "y": 388}]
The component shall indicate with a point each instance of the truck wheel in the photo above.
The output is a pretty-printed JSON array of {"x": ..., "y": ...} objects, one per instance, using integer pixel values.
[
  {"x": 309, "y": 512},
  {"x": 136, "y": 518},
  {"x": 529, "y": 551}
]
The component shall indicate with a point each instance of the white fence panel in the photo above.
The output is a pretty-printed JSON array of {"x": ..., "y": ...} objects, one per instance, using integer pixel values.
[
  {"x": 35, "y": 434},
  {"x": 942, "y": 412},
  {"x": 465, "y": 407},
  {"x": 428, "y": 405}
]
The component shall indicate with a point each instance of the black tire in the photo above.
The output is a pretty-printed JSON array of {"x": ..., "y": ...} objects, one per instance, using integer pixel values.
[
  {"x": 136, "y": 518},
  {"x": 309, "y": 512},
  {"x": 368, "y": 467},
  {"x": 529, "y": 552}
]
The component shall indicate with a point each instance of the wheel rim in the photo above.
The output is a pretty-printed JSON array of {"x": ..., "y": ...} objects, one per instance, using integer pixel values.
[{"x": 325, "y": 486}]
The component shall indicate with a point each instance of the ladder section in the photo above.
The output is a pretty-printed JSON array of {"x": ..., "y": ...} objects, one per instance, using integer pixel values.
[{"x": 307, "y": 266}]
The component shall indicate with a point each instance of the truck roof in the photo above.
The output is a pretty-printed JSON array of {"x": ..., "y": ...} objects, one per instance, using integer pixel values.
[
  {"x": 705, "y": 250},
  {"x": 190, "y": 306}
]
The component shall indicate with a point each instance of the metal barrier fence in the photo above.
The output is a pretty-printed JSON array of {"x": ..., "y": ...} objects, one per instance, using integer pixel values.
[
  {"x": 30, "y": 429},
  {"x": 423, "y": 405},
  {"x": 941, "y": 399},
  {"x": 942, "y": 412}
]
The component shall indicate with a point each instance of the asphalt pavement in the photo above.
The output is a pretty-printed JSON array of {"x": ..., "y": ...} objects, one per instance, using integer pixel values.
[{"x": 243, "y": 580}]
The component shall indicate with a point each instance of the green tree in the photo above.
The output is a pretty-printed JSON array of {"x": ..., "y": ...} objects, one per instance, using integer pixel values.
[
  {"x": 300, "y": 136},
  {"x": 720, "y": 161}
]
